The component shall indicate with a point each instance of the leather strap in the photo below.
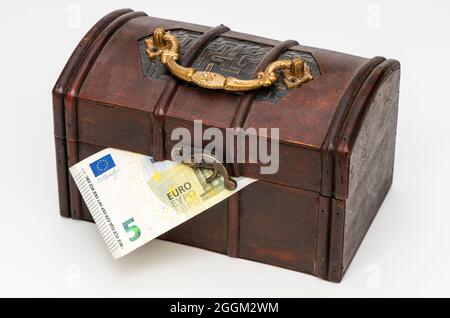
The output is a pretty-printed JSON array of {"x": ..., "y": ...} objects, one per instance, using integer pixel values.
[
  {"x": 238, "y": 122},
  {"x": 172, "y": 86},
  {"x": 59, "y": 119},
  {"x": 71, "y": 100}
]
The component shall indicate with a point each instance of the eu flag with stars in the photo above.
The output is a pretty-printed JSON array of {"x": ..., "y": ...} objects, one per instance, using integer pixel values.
[{"x": 102, "y": 165}]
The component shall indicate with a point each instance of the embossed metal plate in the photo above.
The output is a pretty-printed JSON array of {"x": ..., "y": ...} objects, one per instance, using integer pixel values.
[{"x": 229, "y": 57}]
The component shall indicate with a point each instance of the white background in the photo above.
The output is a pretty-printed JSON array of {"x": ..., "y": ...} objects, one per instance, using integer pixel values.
[{"x": 406, "y": 251}]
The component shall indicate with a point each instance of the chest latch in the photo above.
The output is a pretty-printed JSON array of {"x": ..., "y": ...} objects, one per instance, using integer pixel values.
[{"x": 198, "y": 159}]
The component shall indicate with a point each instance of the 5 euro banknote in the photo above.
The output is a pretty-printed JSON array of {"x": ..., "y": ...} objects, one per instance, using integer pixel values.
[{"x": 133, "y": 199}]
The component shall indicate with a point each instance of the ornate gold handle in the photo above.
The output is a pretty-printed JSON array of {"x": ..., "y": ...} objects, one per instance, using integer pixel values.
[{"x": 166, "y": 46}]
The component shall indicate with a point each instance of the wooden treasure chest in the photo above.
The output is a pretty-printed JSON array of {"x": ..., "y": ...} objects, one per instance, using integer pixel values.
[{"x": 134, "y": 79}]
